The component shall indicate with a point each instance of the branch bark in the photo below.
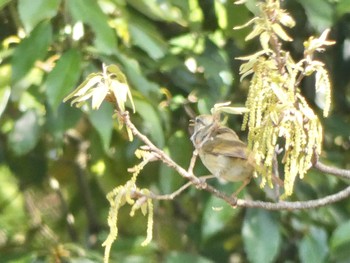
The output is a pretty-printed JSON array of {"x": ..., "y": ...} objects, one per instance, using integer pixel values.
[{"x": 342, "y": 173}]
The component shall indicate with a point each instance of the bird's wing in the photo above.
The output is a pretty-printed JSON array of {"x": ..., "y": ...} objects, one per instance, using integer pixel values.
[{"x": 226, "y": 143}]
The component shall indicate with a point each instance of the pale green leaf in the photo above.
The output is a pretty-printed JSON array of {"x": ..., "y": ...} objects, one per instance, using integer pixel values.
[
  {"x": 32, "y": 12},
  {"x": 25, "y": 134},
  {"x": 147, "y": 39},
  {"x": 99, "y": 94},
  {"x": 340, "y": 242},
  {"x": 33, "y": 48},
  {"x": 83, "y": 98},
  {"x": 341, "y": 237},
  {"x": 313, "y": 247},
  {"x": 261, "y": 236},
  {"x": 120, "y": 87},
  {"x": 120, "y": 91},
  {"x": 84, "y": 87},
  {"x": 63, "y": 77}
]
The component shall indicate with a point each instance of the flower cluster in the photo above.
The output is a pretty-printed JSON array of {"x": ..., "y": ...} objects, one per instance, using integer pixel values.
[{"x": 276, "y": 106}]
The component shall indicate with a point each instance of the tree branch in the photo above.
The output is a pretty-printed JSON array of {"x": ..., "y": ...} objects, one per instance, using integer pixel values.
[
  {"x": 296, "y": 205},
  {"x": 342, "y": 173},
  {"x": 200, "y": 182}
]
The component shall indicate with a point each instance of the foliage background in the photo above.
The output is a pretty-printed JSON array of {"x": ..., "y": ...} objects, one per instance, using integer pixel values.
[{"x": 174, "y": 53}]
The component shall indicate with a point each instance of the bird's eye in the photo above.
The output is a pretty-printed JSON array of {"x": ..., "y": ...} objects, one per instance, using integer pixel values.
[{"x": 199, "y": 121}]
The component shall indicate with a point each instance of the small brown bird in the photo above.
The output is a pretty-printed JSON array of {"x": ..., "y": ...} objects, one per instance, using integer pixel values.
[{"x": 221, "y": 151}]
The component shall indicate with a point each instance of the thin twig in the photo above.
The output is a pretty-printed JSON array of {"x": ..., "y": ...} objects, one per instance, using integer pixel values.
[
  {"x": 172, "y": 195},
  {"x": 193, "y": 161}
]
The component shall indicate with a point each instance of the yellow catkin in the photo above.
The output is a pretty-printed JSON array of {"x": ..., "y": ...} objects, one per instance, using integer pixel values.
[
  {"x": 115, "y": 201},
  {"x": 277, "y": 110},
  {"x": 149, "y": 223}
]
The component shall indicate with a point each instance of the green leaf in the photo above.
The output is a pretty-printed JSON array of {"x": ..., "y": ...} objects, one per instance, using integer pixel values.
[
  {"x": 261, "y": 236},
  {"x": 102, "y": 121},
  {"x": 342, "y": 7},
  {"x": 90, "y": 13},
  {"x": 136, "y": 77},
  {"x": 217, "y": 213},
  {"x": 313, "y": 247},
  {"x": 151, "y": 122},
  {"x": 63, "y": 77},
  {"x": 319, "y": 12},
  {"x": 340, "y": 242},
  {"x": 29, "y": 50},
  {"x": 32, "y": 12},
  {"x": 341, "y": 235},
  {"x": 25, "y": 134},
  {"x": 145, "y": 36},
  {"x": 156, "y": 11}
]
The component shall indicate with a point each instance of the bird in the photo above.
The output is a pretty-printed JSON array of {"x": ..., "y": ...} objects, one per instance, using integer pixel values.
[{"x": 221, "y": 151}]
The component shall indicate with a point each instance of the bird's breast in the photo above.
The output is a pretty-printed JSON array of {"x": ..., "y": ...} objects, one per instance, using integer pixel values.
[{"x": 227, "y": 168}]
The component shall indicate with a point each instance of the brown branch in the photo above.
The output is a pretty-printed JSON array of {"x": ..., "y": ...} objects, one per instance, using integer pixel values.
[
  {"x": 231, "y": 200},
  {"x": 162, "y": 155},
  {"x": 342, "y": 173},
  {"x": 172, "y": 195},
  {"x": 296, "y": 205}
]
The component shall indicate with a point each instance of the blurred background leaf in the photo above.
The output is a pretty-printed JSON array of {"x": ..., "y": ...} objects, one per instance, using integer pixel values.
[
  {"x": 31, "y": 13},
  {"x": 261, "y": 235},
  {"x": 63, "y": 77},
  {"x": 32, "y": 48},
  {"x": 25, "y": 133},
  {"x": 314, "y": 247}
]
